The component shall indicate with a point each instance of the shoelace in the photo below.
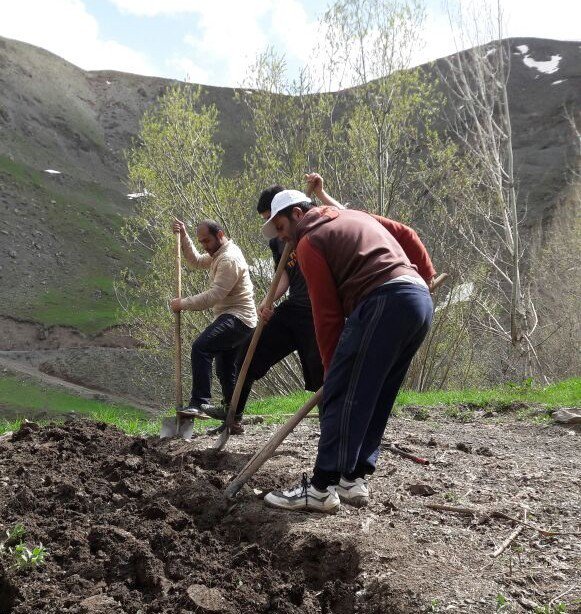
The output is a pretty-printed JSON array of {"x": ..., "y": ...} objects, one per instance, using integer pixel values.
[{"x": 305, "y": 486}]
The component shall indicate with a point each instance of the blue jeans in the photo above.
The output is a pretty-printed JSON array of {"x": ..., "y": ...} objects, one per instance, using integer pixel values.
[
  {"x": 372, "y": 357},
  {"x": 220, "y": 340}
]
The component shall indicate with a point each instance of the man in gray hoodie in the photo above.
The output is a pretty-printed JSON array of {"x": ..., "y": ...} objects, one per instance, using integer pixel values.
[{"x": 231, "y": 296}]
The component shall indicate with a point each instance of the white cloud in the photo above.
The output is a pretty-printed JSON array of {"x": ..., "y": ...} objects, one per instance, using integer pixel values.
[
  {"x": 187, "y": 70},
  {"x": 153, "y": 8},
  {"x": 294, "y": 30},
  {"x": 228, "y": 35},
  {"x": 68, "y": 30},
  {"x": 232, "y": 43}
]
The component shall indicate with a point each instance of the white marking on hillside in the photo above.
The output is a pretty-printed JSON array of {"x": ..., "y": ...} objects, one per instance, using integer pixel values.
[
  {"x": 523, "y": 49},
  {"x": 491, "y": 51},
  {"x": 138, "y": 195},
  {"x": 559, "y": 81},
  {"x": 50, "y": 171},
  {"x": 548, "y": 67},
  {"x": 459, "y": 294}
]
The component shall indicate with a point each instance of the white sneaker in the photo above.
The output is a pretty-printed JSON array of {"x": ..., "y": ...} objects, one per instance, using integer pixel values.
[
  {"x": 353, "y": 492},
  {"x": 305, "y": 497}
]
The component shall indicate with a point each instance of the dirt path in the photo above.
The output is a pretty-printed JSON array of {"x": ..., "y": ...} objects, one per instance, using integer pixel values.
[
  {"x": 21, "y": 368},
  {"x": 140, "y": 525}
]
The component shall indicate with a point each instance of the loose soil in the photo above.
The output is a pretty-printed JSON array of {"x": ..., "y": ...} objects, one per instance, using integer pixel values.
[{"x": 140, "y": 525}]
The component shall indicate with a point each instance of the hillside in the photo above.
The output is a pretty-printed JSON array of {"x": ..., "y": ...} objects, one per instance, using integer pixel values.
[{"x": 59, "y": 232}]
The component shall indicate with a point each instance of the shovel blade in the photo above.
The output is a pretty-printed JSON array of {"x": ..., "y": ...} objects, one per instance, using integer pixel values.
[
  {"x": 222, "y": 439},
  {"x": 185, "y": 428},
  {"x": 177, "y": 427},
  {"x": 169, "y": 427}
]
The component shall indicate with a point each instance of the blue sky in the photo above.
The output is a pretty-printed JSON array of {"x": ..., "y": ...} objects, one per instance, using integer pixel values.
[{"x": 214, "y": 41}]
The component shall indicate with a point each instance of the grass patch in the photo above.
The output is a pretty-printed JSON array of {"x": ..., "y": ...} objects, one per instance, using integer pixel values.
[
  {"x": 89, "y": 306},
  {"x": 21, "y": 398},
  {"x": 19, "y": 172},
  {"x": 561, "y": 394}
]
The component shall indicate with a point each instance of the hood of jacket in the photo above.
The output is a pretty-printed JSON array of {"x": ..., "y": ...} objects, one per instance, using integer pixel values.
[{"x": 315, "y": 217}]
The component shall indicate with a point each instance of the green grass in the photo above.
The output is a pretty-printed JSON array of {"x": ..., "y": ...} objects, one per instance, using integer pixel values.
[
  {"x": 87, "y": 217},
  {"x": 560, "y": 394},
  {"x": 19, "y": 172},
  {"x": 23, "y": 398},
  {"x": 26, "y": 399},
  {"x": 90, "y": 305}
]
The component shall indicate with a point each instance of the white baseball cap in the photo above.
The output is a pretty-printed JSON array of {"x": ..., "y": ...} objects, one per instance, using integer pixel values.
[{"x": 282, "y": 200}]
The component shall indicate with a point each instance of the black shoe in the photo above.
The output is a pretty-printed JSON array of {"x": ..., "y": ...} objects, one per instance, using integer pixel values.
[{"x": 218, "y": 412}]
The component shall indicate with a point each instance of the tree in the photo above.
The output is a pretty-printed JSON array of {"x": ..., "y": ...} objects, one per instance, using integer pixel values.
[
  {"x": 488, "y": 217},
  {"x": 388, "y": 106},
  {"x": 176, "y": 164}
]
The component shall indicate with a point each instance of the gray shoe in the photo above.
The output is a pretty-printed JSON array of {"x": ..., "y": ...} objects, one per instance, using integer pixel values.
[
  {"x": 193, "y": 412},
  {"x": 354, "y": 492}
]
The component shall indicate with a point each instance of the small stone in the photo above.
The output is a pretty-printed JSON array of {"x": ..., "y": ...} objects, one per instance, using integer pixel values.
[
  {"x": 133, "y": 462},
  {"x": 464, "y": 447},
  {"x": 568, "y": 415},
  {"x": 484, "y": 451},
  {"x": 12, "y": 253},
  {"x": 390, "y": 505},
  {"x": 208, "y": 599},
  {"x": 99, "y": 604},
  {"x": 421, "y": 490}
]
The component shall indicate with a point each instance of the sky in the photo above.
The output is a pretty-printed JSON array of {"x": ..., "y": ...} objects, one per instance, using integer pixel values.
[{"x": 214, "y": 42}]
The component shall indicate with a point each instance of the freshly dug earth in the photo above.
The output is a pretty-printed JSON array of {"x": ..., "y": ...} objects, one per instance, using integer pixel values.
[{"x": 140, "y": 525}]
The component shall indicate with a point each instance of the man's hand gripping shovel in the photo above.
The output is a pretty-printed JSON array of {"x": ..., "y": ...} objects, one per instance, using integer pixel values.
[{"x": 225, "y": 434}]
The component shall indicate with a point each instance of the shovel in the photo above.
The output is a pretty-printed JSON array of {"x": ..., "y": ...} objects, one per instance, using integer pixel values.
[
  {"x": 178, "y": 426},
  {"x": 225, "y": 434},
  {"x": 266, "y": 452}
]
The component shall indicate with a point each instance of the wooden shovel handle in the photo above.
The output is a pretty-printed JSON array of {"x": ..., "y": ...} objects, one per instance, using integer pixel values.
[
  {"x": 256, "y": 462},
  {"x": 438, "y": 282},
  {"x": 177, "y": 325},
  {"x": 256, "y": 336}
]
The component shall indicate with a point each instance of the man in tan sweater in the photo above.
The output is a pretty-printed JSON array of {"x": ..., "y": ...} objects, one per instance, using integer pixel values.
[{"x": 231, "y": 296}]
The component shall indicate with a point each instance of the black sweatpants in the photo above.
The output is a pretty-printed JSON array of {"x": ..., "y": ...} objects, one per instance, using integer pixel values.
[{"x": 290, "y": 329}]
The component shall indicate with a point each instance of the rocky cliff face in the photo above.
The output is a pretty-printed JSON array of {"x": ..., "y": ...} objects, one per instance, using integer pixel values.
[{"x": 58, "y": 230}]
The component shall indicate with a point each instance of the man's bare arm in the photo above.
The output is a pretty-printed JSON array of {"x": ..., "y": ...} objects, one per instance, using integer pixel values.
[{"x": 315, "y": 186}]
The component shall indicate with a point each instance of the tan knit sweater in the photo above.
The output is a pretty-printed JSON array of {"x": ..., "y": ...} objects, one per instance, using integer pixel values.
[{"x": 231, "y": 290}]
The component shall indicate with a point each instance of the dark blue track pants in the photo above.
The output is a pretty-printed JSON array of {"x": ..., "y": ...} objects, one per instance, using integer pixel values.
[
  {"x": 372, "y": 357},
  {"x": 221, "y": 340}
]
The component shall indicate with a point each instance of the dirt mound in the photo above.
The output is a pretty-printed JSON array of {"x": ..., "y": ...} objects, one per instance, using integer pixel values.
[{"x": 140, "y": 525}]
